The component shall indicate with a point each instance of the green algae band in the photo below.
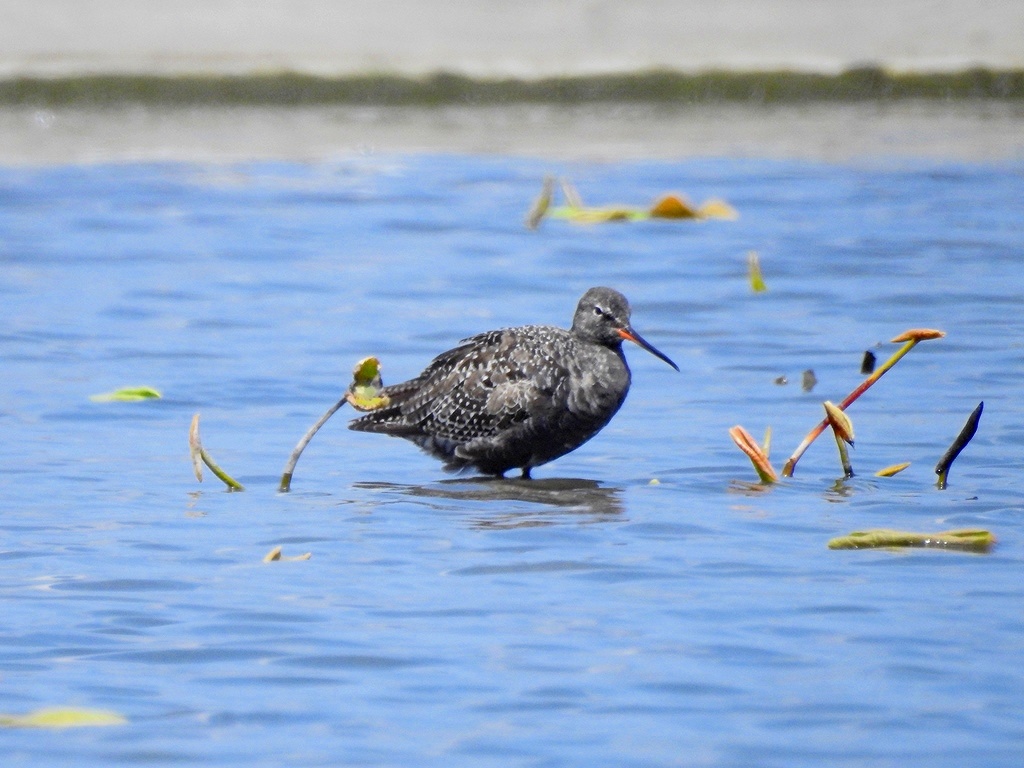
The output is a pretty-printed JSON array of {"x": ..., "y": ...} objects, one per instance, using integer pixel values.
[{"x": 658, "y": 86}]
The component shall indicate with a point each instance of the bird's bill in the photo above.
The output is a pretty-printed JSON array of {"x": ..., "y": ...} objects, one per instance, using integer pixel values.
[{"x": 630, "y": 335}]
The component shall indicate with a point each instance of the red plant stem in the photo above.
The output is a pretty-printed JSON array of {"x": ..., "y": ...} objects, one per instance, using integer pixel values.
[{"x": 790, "y": 466}]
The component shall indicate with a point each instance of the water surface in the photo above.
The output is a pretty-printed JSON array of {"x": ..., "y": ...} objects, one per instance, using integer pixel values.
[{"x": 640, "y": 603}]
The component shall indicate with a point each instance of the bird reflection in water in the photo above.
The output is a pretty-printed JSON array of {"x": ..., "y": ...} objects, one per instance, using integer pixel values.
[{"x": 554, "y": 501}]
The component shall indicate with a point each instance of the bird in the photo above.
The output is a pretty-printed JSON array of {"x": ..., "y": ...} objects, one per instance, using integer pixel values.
[{"x": 517, "y": 398}]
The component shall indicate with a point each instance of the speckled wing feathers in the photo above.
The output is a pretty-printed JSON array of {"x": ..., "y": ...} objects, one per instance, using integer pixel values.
[{"x": 484, "y": 386}]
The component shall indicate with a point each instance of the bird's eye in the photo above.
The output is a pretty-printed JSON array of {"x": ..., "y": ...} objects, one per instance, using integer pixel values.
[{"x": 598, "y": 311}]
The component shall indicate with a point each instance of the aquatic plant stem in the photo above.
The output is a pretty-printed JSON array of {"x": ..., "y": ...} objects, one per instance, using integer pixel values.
[
  {"x": 961, "y": 441},
  {"x": 199, "y": 454},
  {"x": 844, "y": 457},
  {"x": 289, "y": 468},
  {"x": 912, "y": 338},
  {"x": 842, "y": 429},
  {"x": 363, "y": 394}
]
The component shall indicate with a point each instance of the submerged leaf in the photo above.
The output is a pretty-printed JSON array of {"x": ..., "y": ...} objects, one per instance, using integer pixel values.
[
  {"x": 973, "y": 540},
  {"x": 62, "y": 718},
  {"x": 127, "y": 395}
]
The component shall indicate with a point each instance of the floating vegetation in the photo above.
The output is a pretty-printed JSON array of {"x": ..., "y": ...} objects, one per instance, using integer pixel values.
[
  {"x": 808, "y": 381},
  {"x": 973, "y": 540},
  {"x": 893, "y": 469},
  {"x": 757, "y": 454},
  {"x": 200, "y": 456},
  {"x": 63, "y": 718},
  {"x": 842, "y": 428},
  {"x": 127, "y": 395},
  {"x": 363, "y": 394},
  {"x": 970, "y": 540},
  {"x": 961, "y": 441},
  {"x": 910, "y": 340},
  {"x": 275, "y": 555},
  {"x": 757, "y": 284},
  {"x": 668, "y": 206}
]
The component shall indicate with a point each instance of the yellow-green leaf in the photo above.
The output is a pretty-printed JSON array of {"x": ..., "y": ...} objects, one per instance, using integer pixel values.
[
  {"x": 893, "y": 469},
  {"x": 364, "y": 393},
  {"x": 839, "y": 421},
  {"x": 62, "y": 718},
  {"x": 127, "y": 395}
]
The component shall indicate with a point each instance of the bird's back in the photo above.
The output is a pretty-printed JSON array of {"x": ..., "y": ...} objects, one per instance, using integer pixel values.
[{"x": 516, "y": 397}]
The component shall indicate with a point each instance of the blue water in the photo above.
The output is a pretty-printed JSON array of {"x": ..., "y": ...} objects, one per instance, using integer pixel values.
[{"x": 590, "y": 618}]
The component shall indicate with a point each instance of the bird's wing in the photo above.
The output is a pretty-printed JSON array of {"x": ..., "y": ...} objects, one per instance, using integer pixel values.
[{"x": 482, "y": 387}]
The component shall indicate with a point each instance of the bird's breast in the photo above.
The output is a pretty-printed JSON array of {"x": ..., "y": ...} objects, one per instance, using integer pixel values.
[{"x": 599, "y": 383}]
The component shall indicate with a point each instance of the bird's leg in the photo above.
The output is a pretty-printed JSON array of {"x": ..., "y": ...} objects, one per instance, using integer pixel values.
[{"x": 526, "y": 474}]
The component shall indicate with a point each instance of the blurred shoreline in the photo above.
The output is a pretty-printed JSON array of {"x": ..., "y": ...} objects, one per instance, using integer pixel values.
[
  {"x": 87, "y": 81},
  {"x": 869, "y": 131}
]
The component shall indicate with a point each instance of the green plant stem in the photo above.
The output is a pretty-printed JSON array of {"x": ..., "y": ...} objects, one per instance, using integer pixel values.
[
  {"x": 227, "y": 479},
  {"x": 844, "y": 456}
]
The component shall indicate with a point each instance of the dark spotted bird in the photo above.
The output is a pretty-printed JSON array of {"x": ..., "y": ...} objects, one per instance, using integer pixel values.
[{"x": 517, "y": 397}]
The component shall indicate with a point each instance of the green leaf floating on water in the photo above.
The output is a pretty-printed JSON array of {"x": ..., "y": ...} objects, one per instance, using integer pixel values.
[
  {"x": 969, "y": 539},
  {"x": 127, "y": 395},
  {"x": 62, "y": 718}
]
